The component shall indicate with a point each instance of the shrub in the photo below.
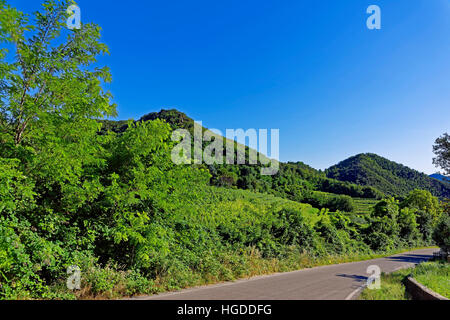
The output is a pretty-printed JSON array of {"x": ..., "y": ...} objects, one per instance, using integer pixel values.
[
  {"x": 441, "y": 234},
  {"x": 329, "y": 201}
]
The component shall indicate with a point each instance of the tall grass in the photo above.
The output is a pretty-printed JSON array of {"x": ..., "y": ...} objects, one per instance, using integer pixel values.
[
  {"x": 433, "y": 275},
  {"x": 392, "y": 287}
]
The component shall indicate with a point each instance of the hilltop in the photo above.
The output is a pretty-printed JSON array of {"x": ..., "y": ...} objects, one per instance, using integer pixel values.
[
  {"x": 368, "y": 176},
  {"x": 295, "y": 180},
  {"x": 387, "y": 176}
]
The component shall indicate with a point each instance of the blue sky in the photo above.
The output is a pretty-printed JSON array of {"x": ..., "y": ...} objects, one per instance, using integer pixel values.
[{"x": 309, "y": 68}]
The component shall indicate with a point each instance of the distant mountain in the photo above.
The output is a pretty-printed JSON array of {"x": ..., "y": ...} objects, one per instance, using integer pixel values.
[
  {"x": 440, "y": 177},
  {"x": 387, "y": 176}
]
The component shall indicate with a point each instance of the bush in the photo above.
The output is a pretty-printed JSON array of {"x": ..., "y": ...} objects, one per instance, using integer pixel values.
[
  {"x": 409, "y": 232},
  {"x": 441, "y": 234},
  {"x": 329, "y": 201}
]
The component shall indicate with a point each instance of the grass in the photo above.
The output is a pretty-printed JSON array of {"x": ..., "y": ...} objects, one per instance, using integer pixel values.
[
  {"x": 392, "y": 287},
  {"x": 255, "y": 265},
  {"x": 362, "y": 206},
  {"x": 434, "y": 275},
  {"x": 108, "y": 283}
]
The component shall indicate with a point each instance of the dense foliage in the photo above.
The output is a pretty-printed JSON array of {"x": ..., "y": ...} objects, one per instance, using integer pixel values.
[
  {"x": 114, "y": 204},
  {"x": 441, "y": 233},
  {"x": 387, "y": 176},
  {"x": 433, "y": 275},
  {"x": 442, "y": 151},
  {"x": 295, "y": 181}
]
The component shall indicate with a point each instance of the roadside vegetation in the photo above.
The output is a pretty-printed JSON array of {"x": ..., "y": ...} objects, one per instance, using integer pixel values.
[
  {"x": 434, "y": 275},
  {"x": 115, "y": 205},
  {"x": 392, "y": 287}
]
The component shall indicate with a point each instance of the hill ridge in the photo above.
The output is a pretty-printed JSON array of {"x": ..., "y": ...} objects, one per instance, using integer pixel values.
[
  {"x": 364, "y": 169},
  {"x": 392, "y": 178}
]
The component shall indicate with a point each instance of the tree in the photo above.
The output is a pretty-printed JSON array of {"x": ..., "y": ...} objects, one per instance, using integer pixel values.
[
  {"x": 46, "y": 83},
  {"x": 442, "y": 151},
  {"x": 387, "y": 208},
  {"x": 51, "y": 97},
  {"x": 423, "y": 200},
  {"x": 384, "y": 230},
  {"x": 427, "y": 209},
  {"x": 408, "y": 226},
  {"x": 441, "y": 234}
]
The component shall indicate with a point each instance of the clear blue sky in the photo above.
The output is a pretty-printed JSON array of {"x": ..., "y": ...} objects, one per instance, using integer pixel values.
[{"x": 310, "y": 68}]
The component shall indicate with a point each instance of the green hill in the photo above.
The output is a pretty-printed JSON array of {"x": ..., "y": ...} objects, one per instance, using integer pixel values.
[
  {"x": 294, "y": 181},
  {"x": 176, "y": 119},
  {"x": 387, "y": 176}
]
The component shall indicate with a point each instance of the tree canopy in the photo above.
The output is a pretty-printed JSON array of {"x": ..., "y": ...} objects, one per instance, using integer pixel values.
[{"x": 442, "y": 151}]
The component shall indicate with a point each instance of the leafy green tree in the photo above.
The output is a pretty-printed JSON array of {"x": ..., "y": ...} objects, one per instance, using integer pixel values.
[
  {"x": 426, "y": 223},
  {"x": 442, "y": 151},
  {"x": 441, "y": 234},
  {"x": 427, "y": 209},
  {"x": 408, "y": 225},
  {"x": 384, "y": 230},
  {"x": 387, "y": 208},
  {"x": 50, "y": 98},
  {"x": 141, "y": 195},
  {"x": 423, "y": 200},
  {"x": 382, "y": 234},
  {"x": 227, "y": 179}
]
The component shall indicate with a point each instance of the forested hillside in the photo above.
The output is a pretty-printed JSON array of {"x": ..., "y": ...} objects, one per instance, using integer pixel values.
[
  {"x": 387, "y": 176},
  {"x": 105, "y": 197},
  {"x": 295, "y": 180}
]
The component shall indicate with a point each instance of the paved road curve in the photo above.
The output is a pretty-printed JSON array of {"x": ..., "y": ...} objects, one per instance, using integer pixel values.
[{"x": 334, "y": 282}]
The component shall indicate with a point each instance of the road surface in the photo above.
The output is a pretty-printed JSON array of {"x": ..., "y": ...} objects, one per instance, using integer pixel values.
[{"x": 333, "y": 282}]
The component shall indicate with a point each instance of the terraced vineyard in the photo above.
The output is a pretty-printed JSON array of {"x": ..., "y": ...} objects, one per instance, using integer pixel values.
[
  {"x": 361, "y": 205},
  {"x": 364, "y": 206}
]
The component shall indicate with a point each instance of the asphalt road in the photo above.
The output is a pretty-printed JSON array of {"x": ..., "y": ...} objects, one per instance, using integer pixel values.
[{"x": 333, "y": 282}]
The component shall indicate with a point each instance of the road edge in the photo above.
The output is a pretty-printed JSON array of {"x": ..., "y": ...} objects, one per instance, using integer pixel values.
[{"x": 357, "y": 292}]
